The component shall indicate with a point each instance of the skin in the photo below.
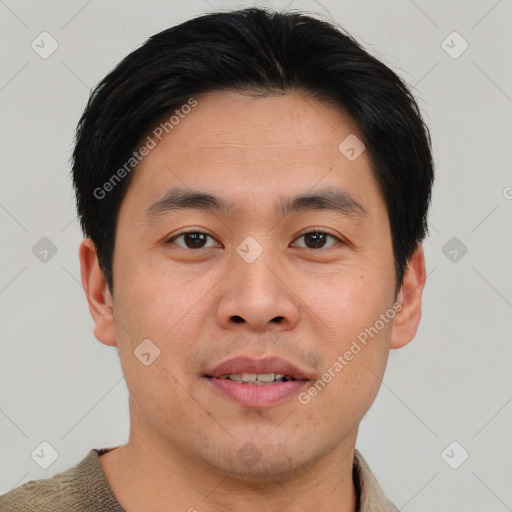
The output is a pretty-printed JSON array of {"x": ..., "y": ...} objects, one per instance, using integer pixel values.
[{"x": 184, "y": 436}]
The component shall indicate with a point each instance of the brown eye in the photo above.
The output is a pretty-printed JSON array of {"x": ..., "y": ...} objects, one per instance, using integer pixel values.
[
  {"x": 317, "y": 239},
  {"x": 193, "y": 240}
]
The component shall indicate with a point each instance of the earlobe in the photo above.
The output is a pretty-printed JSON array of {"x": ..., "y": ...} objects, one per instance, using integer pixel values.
[
  {"x": 97, "y": 293},
  {"x": 407, "y": 318}
]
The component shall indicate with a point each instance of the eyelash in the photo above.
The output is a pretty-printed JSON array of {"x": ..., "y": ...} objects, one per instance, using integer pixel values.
[{"x": 314, "y": 231}]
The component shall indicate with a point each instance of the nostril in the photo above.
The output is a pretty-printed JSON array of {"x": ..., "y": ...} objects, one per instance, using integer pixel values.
[
  {"x": 238, "y": 319},
  {"x": 277, "y": 319}
]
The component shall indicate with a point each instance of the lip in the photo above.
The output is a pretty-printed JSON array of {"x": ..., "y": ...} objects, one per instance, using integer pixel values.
[
  {"x": 251, "y": 395},
  {"x": 246, "y": 364}
]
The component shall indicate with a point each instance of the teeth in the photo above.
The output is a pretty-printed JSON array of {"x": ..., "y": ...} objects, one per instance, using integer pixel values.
[
  {"x": 262, "y": 377},
  {"x": 257, "y": 378}
]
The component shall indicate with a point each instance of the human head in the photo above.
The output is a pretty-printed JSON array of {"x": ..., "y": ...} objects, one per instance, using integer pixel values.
[
  {"x": 256, "y": 147},
  {"x": 262, "y": 51}
]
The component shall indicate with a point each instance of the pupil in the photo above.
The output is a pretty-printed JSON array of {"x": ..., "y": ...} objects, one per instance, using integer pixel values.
[
  {"x": 196, "y": 237},
  {"x": 317, "y": 235}
]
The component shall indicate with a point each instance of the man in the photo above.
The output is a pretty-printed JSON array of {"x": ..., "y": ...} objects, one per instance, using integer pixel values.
[{"x": 253, "y": 188}]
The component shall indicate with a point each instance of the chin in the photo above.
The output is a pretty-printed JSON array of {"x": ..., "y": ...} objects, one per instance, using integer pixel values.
[{"x": 261, "y": 465}]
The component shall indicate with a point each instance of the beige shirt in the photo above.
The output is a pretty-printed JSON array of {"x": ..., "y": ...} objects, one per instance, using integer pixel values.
[{"x": 84, "y": 488}]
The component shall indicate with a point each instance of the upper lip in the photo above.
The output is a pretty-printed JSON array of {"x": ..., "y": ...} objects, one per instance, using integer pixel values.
[{"x": 246, "y": 364}]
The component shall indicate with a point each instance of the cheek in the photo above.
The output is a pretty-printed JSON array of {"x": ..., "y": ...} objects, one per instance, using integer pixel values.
[
  {"x": 151, "y": 306},
  {"x": 350, "y": 379},
  {"x": 148, "y": 297},
  {"x": 158, "y": 396},
  {"x": 167, "y": 308},
  {"x": 356, "y": 345},
  {"x": 347, "y": 301}
]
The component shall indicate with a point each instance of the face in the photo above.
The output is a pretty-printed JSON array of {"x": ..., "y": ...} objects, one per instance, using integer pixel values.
[{"x": 265, "y": 276}]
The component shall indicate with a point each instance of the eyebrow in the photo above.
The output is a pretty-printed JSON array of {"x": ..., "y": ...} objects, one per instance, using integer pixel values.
[{"x": 332, "y": 199}]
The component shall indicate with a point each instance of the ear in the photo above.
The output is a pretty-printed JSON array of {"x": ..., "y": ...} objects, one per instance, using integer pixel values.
[
  {"x": 407, "y": 318},
  {"x": 97, "y": 293}
]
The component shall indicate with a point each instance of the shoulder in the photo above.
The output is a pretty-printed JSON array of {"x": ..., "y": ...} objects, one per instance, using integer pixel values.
[
  {"x": 80, "y": 488},
  {"x": 37, "y": 495}
]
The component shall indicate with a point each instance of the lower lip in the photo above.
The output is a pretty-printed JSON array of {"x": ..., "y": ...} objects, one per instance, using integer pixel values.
[{"x": 252, "y": 395}]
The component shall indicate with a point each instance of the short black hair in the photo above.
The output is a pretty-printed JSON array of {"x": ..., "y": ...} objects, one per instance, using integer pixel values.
[{"x": 262, "y": 50}]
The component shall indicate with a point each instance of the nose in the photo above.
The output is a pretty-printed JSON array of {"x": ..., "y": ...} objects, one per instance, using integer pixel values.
[{"x": 258, "y": 296}]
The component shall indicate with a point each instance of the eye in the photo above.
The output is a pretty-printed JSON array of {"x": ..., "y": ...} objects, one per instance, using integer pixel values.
[
  {"x": 193, "y": 240},
  {"x": 317, "y": 239},
  {"x": 198, "y": 240}
]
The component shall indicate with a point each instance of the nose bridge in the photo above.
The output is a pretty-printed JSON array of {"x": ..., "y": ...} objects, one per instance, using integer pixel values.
[
  {"x": 258, "y": 274},
  {"x": 254, "y": 291},
  {"x": 253, "y": 263}
]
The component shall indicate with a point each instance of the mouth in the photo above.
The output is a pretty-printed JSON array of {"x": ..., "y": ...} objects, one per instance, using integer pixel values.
[
  {"x": 250, "y": 370},
  {"x": 257, "y": 383},
  {"x": 257, "y": 379}
]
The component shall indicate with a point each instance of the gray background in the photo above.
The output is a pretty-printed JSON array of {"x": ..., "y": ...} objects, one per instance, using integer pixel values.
[{"x": 452, "y": 383}]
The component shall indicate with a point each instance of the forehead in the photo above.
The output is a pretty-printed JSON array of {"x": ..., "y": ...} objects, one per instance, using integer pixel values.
[
  {"x": 246, "y": 120},
  {"x": 247, "y": 144}
]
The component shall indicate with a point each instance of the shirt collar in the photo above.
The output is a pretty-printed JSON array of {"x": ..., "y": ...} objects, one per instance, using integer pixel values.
[{"x": 371, "y": 497}]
